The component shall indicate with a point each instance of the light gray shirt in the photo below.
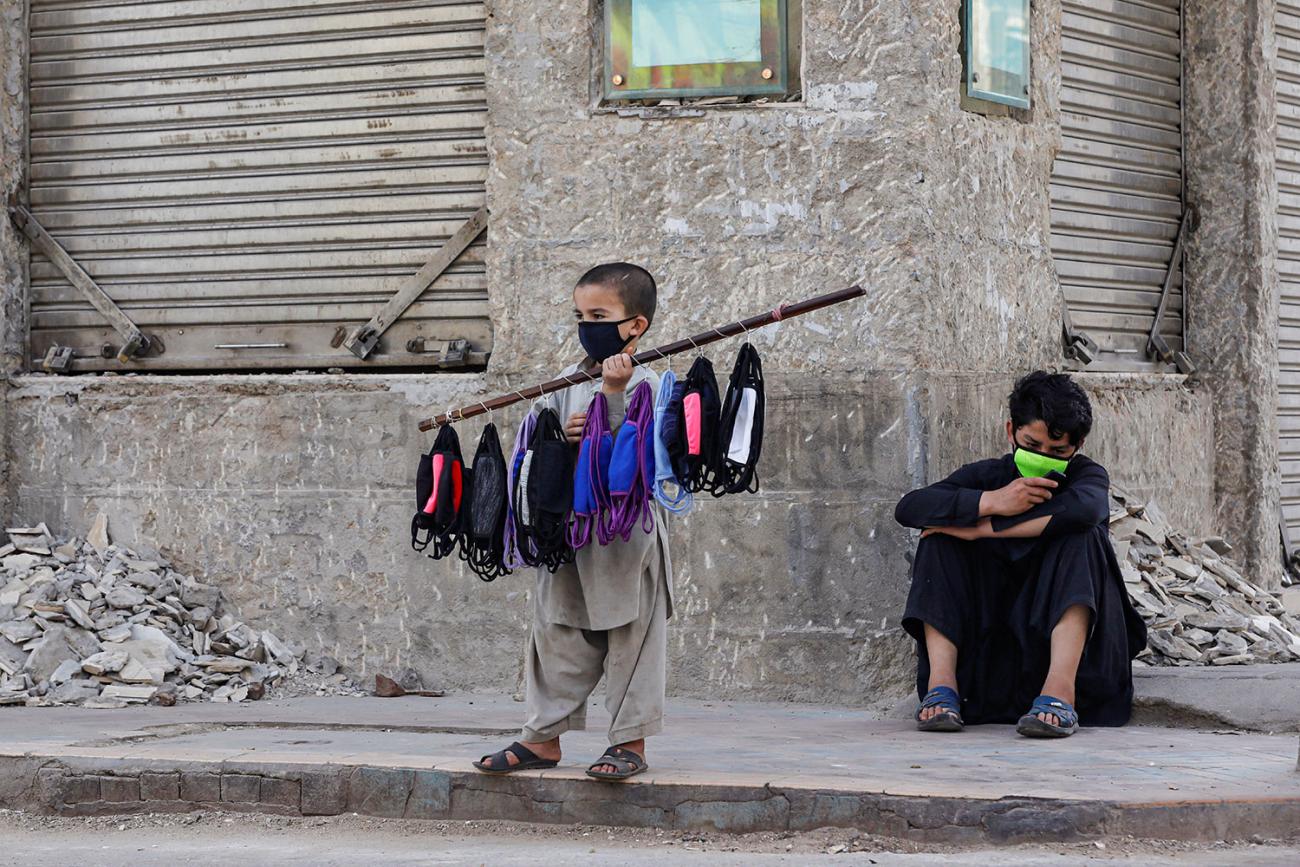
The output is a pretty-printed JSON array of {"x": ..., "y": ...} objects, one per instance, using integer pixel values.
[{"x": 601, "y": 589}]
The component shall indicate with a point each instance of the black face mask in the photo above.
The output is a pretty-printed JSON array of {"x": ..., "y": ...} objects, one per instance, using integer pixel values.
[{"x": 601, "y": 339}]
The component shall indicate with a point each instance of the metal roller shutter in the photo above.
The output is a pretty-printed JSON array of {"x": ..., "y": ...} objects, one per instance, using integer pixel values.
[
  {"x": 1288, "y": 262},
  {"x": 251, "y": 179},
  {"x": 1117, "y": 182}
]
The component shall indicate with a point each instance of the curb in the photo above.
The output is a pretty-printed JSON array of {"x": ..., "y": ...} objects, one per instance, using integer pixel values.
[{"x": 103, "y": 787}]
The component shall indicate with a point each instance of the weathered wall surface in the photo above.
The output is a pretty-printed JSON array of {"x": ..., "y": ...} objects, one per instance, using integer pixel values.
[
  {"x": 293, "y": 492},
  {"x": 13, "y": 161},
  {"x": 1232, "y": 286}
]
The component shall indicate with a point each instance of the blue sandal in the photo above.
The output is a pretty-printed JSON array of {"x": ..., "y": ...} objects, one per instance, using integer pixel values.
[
  {"x": 950, "y": 720},
  {"x": 1032, "y": 727}
]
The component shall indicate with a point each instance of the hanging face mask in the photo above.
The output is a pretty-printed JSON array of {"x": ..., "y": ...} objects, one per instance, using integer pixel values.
[
  {"x": 600, "y": 340},
  {"x": 1035, "y": 465}
]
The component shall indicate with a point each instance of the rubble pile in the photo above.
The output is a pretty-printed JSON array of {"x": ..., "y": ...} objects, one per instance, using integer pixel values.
[
  {"x": 1198, "y": 606},
  {"x": 88, "y": 622}
]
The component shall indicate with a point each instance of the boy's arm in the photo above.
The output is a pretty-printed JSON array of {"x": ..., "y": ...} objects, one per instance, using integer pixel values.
[
  {"x": 616, "y": 372},
  {"x": 954, "y": 502},
  {"x": 1084, "y": 503}
]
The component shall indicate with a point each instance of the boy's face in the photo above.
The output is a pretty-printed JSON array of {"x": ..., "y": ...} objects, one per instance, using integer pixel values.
[
  {"x": 593, "y": 303},
  {"x": 1035, "y": 437}
]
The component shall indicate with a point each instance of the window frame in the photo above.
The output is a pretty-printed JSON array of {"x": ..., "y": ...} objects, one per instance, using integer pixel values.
[{"x": 633, "y": 84}]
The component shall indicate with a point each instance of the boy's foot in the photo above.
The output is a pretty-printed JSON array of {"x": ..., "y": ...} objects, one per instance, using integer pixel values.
[
  {"x": 522, "y": 756},
  {"x": 1064, "y": 691},
  {"x": 940, "y": 711},
  {"x": 618, "y": 764},
  {"x": 1050, "y": 717},
  {"x": 608, "y": 769}
]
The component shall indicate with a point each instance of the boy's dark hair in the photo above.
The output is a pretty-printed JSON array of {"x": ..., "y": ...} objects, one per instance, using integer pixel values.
[
  {"x": 634, "y": 285},
  {"x": 1056, "y": 400}
]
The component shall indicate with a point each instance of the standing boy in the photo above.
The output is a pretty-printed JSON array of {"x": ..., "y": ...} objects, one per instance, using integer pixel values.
[
  {"x": 1017, "y": 604},
  {"x": 608, "y": 610}
]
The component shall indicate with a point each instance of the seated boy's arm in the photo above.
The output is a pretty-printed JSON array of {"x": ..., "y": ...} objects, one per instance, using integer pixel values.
[
  {"x": 1084, "y": 503},
  {"x": 954, "y": 502}
]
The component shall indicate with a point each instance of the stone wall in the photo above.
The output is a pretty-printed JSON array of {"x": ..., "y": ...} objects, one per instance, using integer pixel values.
[{"x": 293, "y": 492}]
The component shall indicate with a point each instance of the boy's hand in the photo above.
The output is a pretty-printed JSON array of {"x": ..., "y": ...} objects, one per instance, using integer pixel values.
[
  {"x": 573, "y": 427},
  {"x": 1018, "y": 497},
  {"x": 982, "y": 530},
  {"x": 615, "y": 373}
]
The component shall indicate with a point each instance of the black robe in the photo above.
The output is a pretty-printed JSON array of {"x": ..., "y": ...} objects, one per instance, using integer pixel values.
[{"x": 999, "y": 599}]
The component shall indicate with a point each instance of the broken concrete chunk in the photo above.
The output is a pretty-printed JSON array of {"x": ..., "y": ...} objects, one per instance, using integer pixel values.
[
  {"x": 19, "y": 631},
  {"x": 49, "y": 653},
  {"x": 124, "y": 597},
  {"x": 98, "y": 535},
  {"x": 135, "y": 672},
  {"x": 78, "y": 615},
  {"x": 65, "y": 672},
  {"x": 105, "y": 662},
  {"x": 135, "y": 694},
  {"x": 194, "y": 594}
]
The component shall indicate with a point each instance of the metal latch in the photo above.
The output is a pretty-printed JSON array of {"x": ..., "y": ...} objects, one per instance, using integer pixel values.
[
  {"x": 57, "y": 359},
  {"x": 451, "y": 353},
  {"x": 1078, "y": 345}
]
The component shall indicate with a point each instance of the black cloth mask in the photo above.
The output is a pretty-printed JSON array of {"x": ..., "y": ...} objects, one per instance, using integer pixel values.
[{"x": 600, "y": 340}]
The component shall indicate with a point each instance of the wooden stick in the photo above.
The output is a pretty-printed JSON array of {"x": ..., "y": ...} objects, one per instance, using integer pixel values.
[{"x": 785, "y": 311}]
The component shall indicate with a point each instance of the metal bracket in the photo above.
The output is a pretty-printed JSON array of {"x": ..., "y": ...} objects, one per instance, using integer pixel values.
[
  {"x": 1078, "y": 345},
  {"x": 1157, "y": 347},
  {"x": 57, "y": 359},
  {"x": 451, "y": 353},
  {"x": 363, "y": 341},
  {"x": 134, "y": 341}
]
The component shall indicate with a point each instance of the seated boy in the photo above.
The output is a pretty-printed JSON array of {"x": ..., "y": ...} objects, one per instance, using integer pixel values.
[
  {"x": 608, "y": 610},
  {"x": 1017, "y": 603}
]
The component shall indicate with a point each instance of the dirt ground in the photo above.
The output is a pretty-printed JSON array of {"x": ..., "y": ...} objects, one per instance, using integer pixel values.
[{"x": 222, "y": 838}]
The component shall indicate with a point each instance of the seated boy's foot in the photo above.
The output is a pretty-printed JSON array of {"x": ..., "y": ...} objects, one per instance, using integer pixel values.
[
  {"x": 1050, "y": 717},
  {"x": 522, "y": 756},
  {"x": 605, "y": 768},
  {"x": 940, "y": 711}
]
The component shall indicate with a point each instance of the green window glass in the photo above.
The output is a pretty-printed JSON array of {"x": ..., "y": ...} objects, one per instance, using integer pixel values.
[
  {"x": 997, "y": 51},
  {"x": 663, "y": 48}
]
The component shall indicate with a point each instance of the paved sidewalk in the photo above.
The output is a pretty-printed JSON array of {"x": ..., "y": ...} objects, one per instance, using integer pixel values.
[{"x": 727, "y": 766}]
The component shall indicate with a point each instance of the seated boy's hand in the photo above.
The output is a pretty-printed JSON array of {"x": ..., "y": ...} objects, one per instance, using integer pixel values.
[
  {"x": 573, "y": 427},
  {"x": 1016, "y": 498},
  {"x": 615, "y": 372}
]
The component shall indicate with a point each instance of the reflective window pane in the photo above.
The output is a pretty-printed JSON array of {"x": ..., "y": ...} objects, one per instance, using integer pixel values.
[
  {"x": 695, "y": 48},
  {"x": 997, "y": 51}
]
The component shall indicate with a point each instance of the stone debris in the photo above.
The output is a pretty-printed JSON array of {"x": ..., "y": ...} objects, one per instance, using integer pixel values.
[
  {"x": 1199, "y": 607},
  {"x": 89, "y": 622}
]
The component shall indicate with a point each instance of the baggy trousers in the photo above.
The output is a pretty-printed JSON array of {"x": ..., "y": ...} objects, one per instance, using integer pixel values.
[
  {"x": 564, "y": 665},
  {"x": 1000, "y": 610}
]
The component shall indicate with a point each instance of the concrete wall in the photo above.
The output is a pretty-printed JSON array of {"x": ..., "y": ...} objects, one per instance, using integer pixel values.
[{"x": 293, "y": 492}]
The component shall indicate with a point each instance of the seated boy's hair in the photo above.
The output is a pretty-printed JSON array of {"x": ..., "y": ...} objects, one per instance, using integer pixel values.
[
  {"x": 634, "y": 285},
  {"x": 1055, "y": 399}
]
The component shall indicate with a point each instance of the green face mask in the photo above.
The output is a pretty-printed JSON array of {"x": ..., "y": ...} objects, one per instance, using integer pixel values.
[{"x": 1035, "y": 465}]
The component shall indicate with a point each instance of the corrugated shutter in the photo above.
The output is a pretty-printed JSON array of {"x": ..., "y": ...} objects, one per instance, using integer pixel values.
[
  {"x": 256, "y": 172},
  {"x": 1288, "y": 261},
  {"x": 1117, "y": 182}
]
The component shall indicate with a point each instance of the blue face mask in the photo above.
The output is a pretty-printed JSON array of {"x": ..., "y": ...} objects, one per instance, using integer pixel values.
[{"x": 602, "y": 339}]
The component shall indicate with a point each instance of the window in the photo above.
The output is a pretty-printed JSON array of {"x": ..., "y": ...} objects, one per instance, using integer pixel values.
[
  {"x": 996, "y": 45},
  {"x": 699, "y": 48}
]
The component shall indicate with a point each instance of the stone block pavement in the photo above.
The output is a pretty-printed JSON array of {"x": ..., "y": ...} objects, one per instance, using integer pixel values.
[{"x": 720, "y": 765}]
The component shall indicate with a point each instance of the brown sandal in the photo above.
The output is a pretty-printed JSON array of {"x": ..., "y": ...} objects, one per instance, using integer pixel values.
[{"x": 627, "y": 763}]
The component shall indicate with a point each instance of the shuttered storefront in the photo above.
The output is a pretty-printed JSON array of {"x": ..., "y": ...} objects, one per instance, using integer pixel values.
[
  {"x": 252, "y": 179},
  {"x": 1288, "y": 262},
  {"x": 1117, "y": 182}
]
